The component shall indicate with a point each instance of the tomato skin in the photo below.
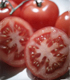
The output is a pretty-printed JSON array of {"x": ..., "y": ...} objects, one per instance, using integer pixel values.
[
  {"x": 63, "y": 22},
  {"x": 5, "y": 12},
  {"x": 17, "y": 32},
  {"x": 18, "y": 1},
  {"x": 39, "y": 46},
  {"x": 39, "y": 17}
]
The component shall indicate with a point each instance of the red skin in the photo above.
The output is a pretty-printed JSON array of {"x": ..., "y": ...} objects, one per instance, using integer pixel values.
[
  {"x": 63, "y": 22},
  {"x": 39, "y": 17},
  {"x": 18, "y": 1},
  {"x": 5, "y": 12}
]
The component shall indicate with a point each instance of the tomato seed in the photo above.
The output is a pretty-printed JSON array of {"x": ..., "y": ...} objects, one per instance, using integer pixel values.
[
  {"x": 16, "y": 26},
  {"x": 32, "y": 56},
  {"x": 47, "y": 60},
  {"x": 4, "y": 36},
  {"x": 38, "y": 65},
  {"x": 7, "y": 29},
  {"x": 34, "y": 62},
  {"x": 4, "y": 32},
  {"x": 22, "y": 39},
  {"x": 19, "y": 28},
  {"x": 4, "y": 47},
  {"x": 58, "y": 55},
  {"x": 55, "y": 64},
  {"x": 61, "y": 45},
  {"x": 32, "y": 52},
  {"x": 9, "y": 51},
  {"x": 52, "y": 41},
  {"x": 8, "y": 40},
  {"x": 22, "y": 55},
  {"x": 62, "y": 60},
  {"x": 55, "y": 49},
  {"x": 48, "y": 69}
]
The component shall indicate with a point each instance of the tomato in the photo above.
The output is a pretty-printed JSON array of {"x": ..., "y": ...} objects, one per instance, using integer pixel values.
[
  {"x": 31, "y": 76},
  {"x": 5, "y": 11},
  {"x": 63, "y": 22},
  {"x": 18, "y": 1},
  {"x": 38, "y": 17},
  {"x": 69, "y": 56},
  {"x": 47, "y": 53},
  {"x": 14, "y": 33}
]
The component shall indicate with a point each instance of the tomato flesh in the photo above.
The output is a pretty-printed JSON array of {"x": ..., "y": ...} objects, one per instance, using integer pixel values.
[
  {"x": 50, "y": 43},
  {"x": 13, "y": 37},
  {"x": 47, "y": 53}
]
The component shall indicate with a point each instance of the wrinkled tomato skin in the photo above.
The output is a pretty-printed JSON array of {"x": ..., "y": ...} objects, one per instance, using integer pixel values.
[
  {"x": 5, "y": 12},
  {"x": 39, "y": 17},
  {"x": 63, "y": 22}
]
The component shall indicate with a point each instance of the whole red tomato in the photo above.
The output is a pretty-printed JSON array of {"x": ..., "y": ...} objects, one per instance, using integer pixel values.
[
  {"x": 63, "y": 22},
  {"x": 5, "y": 11},
  {"x": 41, "y": 15}
]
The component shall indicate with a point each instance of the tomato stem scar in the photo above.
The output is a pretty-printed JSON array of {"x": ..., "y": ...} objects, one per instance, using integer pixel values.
[
  {"x": 3, "y": 4},
  {"x": 39, "y": 4}
]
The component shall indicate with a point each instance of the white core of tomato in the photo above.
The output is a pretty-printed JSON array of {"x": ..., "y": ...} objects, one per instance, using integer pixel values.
[
  {"x": 14, "y": 35},
  {"x": 46, "y": 51}
]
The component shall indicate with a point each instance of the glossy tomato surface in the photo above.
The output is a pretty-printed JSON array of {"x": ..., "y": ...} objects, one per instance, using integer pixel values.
[
  {"x": 18, "y": 1},
  {"x": 47, "y": 53},
  {"x": 9, "y": 73},
  {"x": 14, "y": 33},
  {"x": 5, "y": 12},
  {"x": 38, "y": 17},
  {"x": 63, "y": 22}
]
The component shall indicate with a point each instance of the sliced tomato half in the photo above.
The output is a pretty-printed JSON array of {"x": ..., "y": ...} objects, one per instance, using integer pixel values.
[
  {"x": 14, "y": 33},
  {"x": 47, "y": 53}
]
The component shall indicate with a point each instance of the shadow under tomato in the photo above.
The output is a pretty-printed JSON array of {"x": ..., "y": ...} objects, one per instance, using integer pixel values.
[
  {"x": 7, "y": 71},
  {"x": 32, "y": 77}
]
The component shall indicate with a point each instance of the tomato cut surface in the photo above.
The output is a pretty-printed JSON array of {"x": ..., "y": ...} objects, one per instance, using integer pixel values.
[
  {"x": 14, "y": 33},
  {"x": 47, "y": 53}
]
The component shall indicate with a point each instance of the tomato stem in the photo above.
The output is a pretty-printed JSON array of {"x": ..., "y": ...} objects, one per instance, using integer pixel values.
[
  {"x": 13, "y": 9},
  {"x": 39, "y": 4},
  {"x": 10, "y": 5},
  {"x": 3, "y": 4}
]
